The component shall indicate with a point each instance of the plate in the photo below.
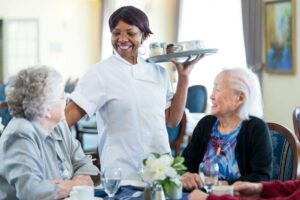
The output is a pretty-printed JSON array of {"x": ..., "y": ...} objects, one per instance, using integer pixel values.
[{"x": 180, "y": 55}]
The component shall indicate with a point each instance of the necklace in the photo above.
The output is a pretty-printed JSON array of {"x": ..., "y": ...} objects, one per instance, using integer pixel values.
[{"x": 218, "y": 144}]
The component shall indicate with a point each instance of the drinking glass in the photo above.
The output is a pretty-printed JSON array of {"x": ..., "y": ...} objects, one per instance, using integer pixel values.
[
  {"x": 208, "y": 172},
  {"x": 111, "y": 179}
]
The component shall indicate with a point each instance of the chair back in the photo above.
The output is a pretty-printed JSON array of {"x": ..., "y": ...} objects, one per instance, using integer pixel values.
[
  {"x": 176, "y": 136},
  {"x": 285, "y": 153},
  {"x": 296, "y": 121},
  {"x": 86, "y": 133},
  {"x": 4, "y": 113},
  {"x": 196, "y": 99}
]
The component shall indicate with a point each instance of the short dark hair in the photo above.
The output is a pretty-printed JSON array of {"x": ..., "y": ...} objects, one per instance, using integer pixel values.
[{"x": 132, "y": 16}]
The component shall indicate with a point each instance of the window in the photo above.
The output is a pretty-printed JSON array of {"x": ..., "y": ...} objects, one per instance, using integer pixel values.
[
  {"x": 219, "y": 24},
  {"x": 20, "y": 45}
]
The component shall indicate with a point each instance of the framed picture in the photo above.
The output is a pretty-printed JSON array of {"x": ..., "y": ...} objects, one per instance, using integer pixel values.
[{"x": 280, "y": 36}]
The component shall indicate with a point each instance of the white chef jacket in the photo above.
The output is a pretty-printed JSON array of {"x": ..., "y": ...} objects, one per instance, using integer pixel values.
[{"x": 129, "y": 102}]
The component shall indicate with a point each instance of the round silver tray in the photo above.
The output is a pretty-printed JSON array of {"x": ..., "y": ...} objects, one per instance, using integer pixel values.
[{"x": 180, "y": 55}]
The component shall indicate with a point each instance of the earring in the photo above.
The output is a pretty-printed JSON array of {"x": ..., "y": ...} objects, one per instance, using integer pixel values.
[{"x": 142, "y": 49}]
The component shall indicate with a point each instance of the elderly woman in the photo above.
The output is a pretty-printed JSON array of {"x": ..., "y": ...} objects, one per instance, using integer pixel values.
[
  {"x": 133, "y": 100},
  {"x": 39, "y": 158},
  {"x": 234, "y": 136}
]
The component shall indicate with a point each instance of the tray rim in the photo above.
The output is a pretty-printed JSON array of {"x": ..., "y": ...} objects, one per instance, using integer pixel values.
[{"x": 167, "y": 57}]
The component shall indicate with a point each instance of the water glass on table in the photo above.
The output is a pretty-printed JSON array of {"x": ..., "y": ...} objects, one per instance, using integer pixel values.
[
  {"x": 208, "y": 172},
  {"x": 111, "y": 179}
]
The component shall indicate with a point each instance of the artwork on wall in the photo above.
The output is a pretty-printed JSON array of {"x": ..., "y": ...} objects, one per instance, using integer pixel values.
[{"x": 280, "y": 36}]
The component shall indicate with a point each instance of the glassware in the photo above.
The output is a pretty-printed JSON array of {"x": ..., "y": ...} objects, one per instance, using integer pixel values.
[
  {"x": 111, "y": 179},
  {"x": 208, "y": 172},
  {"x": 155, "y": 49}
]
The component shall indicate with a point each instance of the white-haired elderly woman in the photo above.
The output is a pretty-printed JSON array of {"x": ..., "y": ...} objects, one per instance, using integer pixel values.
[
  {"x": 39, "y": 158},
  {"x": 234, "y": 135}
]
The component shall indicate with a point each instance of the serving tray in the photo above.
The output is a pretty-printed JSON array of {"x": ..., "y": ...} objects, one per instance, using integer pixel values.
[{"x": 180, "y": 55}]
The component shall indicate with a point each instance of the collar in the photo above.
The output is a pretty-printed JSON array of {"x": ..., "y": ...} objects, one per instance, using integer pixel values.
[{"x": 117, "y": 55}]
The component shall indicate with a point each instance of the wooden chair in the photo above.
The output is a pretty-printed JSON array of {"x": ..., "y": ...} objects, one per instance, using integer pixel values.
[
  {"x": 3, "y": 105},
  {"x": 176, "y": 136},
  {"x": 296, "y": 121},
  {"x": 286, "y": 153}
]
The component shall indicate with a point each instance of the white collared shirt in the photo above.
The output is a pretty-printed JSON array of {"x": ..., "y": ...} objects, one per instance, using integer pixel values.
[{"x": 129, "y": 102}]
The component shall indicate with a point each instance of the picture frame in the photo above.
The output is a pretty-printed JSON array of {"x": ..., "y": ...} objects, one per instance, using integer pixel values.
[{"x": 280, "y": 36}]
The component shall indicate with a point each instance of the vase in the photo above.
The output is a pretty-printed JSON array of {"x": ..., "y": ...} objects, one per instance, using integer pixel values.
[{"x": 175, "y": 192}]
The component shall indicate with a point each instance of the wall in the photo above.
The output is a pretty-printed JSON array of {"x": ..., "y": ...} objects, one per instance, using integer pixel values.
[
  {"x": 69, "y": 31},
  {"x": 282, "y": 92},
  {"x": 161, "y": 14}
]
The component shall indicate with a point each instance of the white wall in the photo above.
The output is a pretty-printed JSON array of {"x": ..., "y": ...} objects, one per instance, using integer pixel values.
[
  {"x": 69, "y": 31},
  {"x": 282, "y": 92}
]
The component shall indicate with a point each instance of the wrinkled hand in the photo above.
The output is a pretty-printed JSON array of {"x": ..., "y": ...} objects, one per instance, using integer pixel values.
[
  {"x": 65, "y": 186},
  {"x": 198, "y": 195},
  {"x": 191, "y": 181},
  {"x": 185, "y": 68},
  {"x": 83, "y": 180},
  {"x": 247, "y": 189}
]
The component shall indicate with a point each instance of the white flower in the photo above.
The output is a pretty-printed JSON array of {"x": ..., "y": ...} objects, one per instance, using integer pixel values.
[{"x": 159, "y": 168}]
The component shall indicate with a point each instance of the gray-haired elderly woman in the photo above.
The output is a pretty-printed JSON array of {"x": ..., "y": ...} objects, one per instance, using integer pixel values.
[
  {"x": 39, "y": 158},
  {"x": 234, "y": 136}
]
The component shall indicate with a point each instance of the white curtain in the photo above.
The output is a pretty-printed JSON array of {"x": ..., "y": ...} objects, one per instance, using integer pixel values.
[{"x": 219, "y": 24}]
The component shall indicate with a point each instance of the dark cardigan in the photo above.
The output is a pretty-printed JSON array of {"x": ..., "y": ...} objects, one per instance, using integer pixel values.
[{"x": 253, "y": 149}]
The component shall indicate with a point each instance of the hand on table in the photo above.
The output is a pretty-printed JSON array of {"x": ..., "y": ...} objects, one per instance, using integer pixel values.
[
  {"x": 247, "y": 189},
  {"x": 191, "y": 181},
  {"x": 198, "y": 195},
  {"x": 65, "y": 186}
]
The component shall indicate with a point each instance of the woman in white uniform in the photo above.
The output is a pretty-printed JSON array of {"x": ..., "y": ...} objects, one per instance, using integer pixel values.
[{"x": 132, "y": 99}]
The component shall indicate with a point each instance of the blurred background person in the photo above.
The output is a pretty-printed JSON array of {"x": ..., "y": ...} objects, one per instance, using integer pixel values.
[
  {"x": 39, "y": 158},
  {"x": 234, "y": 135}
]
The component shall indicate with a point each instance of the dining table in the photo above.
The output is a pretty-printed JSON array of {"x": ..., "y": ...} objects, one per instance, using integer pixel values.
[{"x": 129, "y": 193}]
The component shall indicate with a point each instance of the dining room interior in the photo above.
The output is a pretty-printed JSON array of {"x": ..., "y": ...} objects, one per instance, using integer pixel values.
[{"x": 72, "y": 35}]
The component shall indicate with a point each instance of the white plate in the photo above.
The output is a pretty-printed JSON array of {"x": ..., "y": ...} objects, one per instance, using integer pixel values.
[
  {"x": 180, "y": 55},
  {"x": 95, "y": 198}
]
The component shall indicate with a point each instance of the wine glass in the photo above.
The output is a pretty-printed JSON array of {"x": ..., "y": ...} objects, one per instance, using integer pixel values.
[
  {"x": 111, "y": 179},
  {"x": 208, "y": 172}
]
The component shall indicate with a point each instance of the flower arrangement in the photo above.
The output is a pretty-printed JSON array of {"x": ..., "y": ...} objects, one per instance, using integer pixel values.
[{"x": 164, "y": 170}]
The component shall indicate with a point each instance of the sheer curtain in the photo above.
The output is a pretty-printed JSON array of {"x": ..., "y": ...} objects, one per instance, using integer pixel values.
[{"x": 219, "y": 24}]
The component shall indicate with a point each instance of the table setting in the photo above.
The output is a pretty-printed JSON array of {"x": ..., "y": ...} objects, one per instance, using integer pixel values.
[{"x": 161, "y": 176}]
